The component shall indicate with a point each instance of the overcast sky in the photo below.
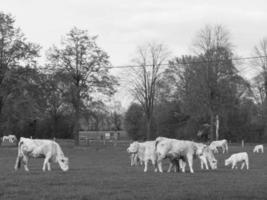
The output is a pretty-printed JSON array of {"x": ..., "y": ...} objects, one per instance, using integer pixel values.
[{"x": 123, "y": 24}]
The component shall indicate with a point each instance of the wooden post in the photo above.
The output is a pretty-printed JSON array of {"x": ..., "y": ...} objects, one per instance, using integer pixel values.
[
  {"x": 242, "y": 143},
  {"x": 217, "y": 127}
]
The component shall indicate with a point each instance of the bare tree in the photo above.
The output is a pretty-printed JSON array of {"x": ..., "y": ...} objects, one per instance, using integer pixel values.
[
  {"x": 212, "y": 37},
  {"x": 146, "y": 78},
  {"x": 261, "y": 51},
  {"x": 261, "y": 62}
]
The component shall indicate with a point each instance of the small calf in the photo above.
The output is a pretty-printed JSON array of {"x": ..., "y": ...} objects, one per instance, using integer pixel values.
[
  {"x": 238, "y": 157},
  {"x": 258, "y": 148}
]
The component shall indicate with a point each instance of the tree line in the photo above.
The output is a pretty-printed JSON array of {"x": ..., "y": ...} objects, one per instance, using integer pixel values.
[
  {"x": 177, "y": 97},
  {"x": 193, "y": 93},
  {"x": 48, "y": 100}
]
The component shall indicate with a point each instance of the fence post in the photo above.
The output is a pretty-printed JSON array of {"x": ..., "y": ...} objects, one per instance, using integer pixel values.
[{"x": 242, "y": 143}]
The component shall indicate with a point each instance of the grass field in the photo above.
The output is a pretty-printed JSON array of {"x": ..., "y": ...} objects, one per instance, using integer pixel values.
[{"x": 103, "y": 172}]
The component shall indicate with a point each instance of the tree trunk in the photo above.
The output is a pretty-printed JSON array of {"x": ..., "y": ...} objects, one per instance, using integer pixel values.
[
  {"x": 76, "y": 127},
  {"x": 265, "y": 120},
  {"x": 211, "y": 125},
  {"x": 54, "y": 127},
  {"x": 217, "y": 127},
  {"x": 265, "y": 108},
  {"x": 148, "y": 129}
]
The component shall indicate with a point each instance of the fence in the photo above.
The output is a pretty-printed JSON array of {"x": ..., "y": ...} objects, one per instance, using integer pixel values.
[{"x": 114, "y": 137}]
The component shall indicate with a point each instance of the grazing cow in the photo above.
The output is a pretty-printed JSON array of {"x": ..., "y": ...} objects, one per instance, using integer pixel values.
[
  {"x": 145, "y": 152},
  {"x": 166, "y": 148},
  {"x": 37, "y": 148},
  {"x": 214, "y": 145},
  {"x": 10, "y": 138},
  {"x": 206, "y": 158},
  {"x": 238, "y": 157},
  {"x": 258, "y": 148}
]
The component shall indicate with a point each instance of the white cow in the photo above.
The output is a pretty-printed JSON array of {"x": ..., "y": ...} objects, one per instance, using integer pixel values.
[
  {"x": 10, "y": 138},
  {"x": 214, "y": 145},
  {"x": 206, "y": 158},
  {"x": 37, "y": 148},
  {"x": 236, "y": 158},
  {"x": 258, "y": 148},
  {"x": 145, "y": 152},
  {"x": 172, "y": 148}
]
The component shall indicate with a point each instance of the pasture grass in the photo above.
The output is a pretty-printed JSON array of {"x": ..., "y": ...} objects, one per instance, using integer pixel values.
[{"x": 104, "y": 172}]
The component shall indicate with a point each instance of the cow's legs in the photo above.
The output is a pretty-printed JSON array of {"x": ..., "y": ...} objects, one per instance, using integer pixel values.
[
  {"x": 170, "y": 167},
  {"x": 18, "y": 162},
  {"x": 243, "y": 164},
  {"x": 25, "y": 162},
  {"x": 190, "y": 162},
  {"x": 203, "y": 162},
  {"x": 45, "y": 163},
  {"x": 133, "y": 159},
  {"x": 48, "y": 166},
  {"x": 182, "y": 165},
  {"x": 160, "y": 166},
  {"x": 247, "y": 163},
  {"x": 146, "y": 163},
  {"x": 233, "y": 165},
  {"x": 154, "y": 163},
  {"x": 159, "y": 163},
  {"x": 223, "y": 149}
]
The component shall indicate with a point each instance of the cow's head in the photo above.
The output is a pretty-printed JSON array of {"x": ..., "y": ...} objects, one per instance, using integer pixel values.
[
  {"x": 199, "y": 149},
  {"x": 63, "y": 163},
  {"x": 133, "y": 148},
  {"x": 210, "y": 156},
  {"x": 213, "y": 148},
  {"x": 227, "y": 162}
]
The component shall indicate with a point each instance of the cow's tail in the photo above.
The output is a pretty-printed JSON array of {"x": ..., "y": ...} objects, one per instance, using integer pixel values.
[{"x": 19, "y": 156}]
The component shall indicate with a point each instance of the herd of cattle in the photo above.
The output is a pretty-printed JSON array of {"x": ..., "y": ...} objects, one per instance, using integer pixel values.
[
  {"x": 178, "y": 152},
  {"x": 182, "y": 152}
]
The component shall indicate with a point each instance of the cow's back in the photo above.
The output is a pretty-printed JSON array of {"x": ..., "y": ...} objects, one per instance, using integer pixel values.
[
  {"x": 148, "y": 148},
  {"x": 174, "y": 147}
]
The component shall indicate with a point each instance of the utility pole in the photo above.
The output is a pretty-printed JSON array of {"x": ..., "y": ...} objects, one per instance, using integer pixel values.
[{"x": 217, "y": 127}]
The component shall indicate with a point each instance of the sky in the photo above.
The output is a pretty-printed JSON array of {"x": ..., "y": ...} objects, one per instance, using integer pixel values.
[{"x": 122, "y": 25}]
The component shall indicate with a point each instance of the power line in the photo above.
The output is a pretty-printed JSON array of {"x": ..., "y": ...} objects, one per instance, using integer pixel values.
[{"x": 186, "y": 63}]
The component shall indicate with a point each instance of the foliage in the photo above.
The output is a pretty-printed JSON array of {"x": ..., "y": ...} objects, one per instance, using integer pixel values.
[
  {"x": 18, "y": 77},
  {"x": 87, "y": 66},
  {"x": 134, "y": 122}
]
